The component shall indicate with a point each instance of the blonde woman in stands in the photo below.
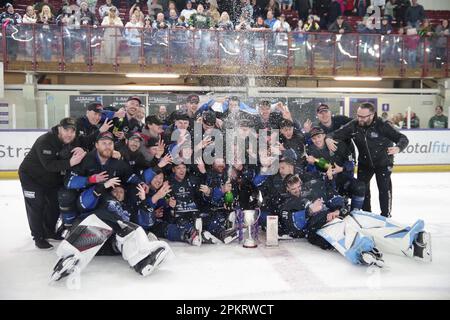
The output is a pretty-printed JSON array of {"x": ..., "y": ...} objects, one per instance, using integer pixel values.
[
  {"x": 111, "y": 36},
  {"x": 225, "y": 22},
  {"x": 135, "y": 10},
  {"x": 214, "y": 13},
  {"x": 273, "y": 6},
  {"x": 46, "y": 18},
  {"x": 133, "y": 36},
  {"x": 29, "y": 17}
]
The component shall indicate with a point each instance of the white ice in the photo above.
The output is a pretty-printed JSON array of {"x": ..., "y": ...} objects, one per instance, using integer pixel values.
[{"x": 294, "y": 270}]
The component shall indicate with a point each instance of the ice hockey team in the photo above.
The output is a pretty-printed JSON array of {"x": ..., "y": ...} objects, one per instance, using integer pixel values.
[{"x": 109, "y": 184}]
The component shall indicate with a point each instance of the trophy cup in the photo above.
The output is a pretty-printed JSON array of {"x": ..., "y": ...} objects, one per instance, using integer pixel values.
[{"x": 251, "y": 223}]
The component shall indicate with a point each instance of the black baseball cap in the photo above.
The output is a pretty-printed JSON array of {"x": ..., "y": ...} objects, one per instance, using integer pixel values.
[
  {"x": 152, "y": 142},
  {"x": 67, "y": 123},
  {"x": 315, "y": 131},
  {"x": 209, "y": 118},
  {"x": 135, "y": 98},
  {"x": 95, "y": 106},
  {"x": 193, "y": 98},
  {"x": 105, "y": 136},
  {"x": 153, "y": 120},
  {"x": 322, "y": 107}
]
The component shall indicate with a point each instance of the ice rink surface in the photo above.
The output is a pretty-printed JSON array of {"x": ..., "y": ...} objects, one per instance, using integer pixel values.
[{"x": 294, "y": 270}]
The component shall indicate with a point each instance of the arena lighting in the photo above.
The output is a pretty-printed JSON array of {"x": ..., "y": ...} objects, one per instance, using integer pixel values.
[
  {"x": 152, "y": 75},
  {"x": 358, "y": 78}
]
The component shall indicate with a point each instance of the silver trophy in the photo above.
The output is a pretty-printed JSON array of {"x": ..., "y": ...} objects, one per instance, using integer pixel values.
[{"x": 251, "y": 223}]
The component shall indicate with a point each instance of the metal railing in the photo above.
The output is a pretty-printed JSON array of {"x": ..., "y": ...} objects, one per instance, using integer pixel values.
[{"x": 37, "y": 47}]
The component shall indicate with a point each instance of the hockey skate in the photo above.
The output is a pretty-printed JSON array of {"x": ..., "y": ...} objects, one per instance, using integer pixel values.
[
  {"x": 229, "y": 235},
  {"x": 372, "y": 258},
  {"x": 194, "y": 235},
  {"x": 153, "y": 260},
  {"x": 422, "y": 246},
  {"x": 208, "y": 238},
  {"x": 64, "y": 267}
]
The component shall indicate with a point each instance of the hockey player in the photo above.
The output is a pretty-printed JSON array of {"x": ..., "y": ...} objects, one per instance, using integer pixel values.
[
  {"x": 41, "y": 175},
  {"x": 97, "y": 167},
  {"x": 340, "y": 167},
  {"x": 190, "y": 203},
  {"x": 128, "y": 123},
  {"x": 109, "y": 225},
  {"x": 291, "y": 140}
]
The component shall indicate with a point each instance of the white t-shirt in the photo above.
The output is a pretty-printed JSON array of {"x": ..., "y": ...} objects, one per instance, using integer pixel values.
[{"x": 187, "y": 13}]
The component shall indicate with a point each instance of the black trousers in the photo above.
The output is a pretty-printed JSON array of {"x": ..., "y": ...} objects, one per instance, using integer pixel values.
[
  {"x": 42, "y": 207},
  {"x": 384, "y": 183}
]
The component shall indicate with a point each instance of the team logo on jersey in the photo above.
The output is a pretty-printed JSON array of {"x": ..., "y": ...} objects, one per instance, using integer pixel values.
[
  {"x": 47, "y": 151},
  {"x": 374, "y": 134}
]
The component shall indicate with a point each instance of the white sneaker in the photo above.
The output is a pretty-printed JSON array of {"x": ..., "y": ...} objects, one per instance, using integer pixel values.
[{"x": 208, "y": 238}]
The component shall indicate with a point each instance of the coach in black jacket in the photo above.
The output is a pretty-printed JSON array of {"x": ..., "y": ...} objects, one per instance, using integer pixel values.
[
  {"x": 375, "y": 140},
  {"x": 41, "y": 175}
]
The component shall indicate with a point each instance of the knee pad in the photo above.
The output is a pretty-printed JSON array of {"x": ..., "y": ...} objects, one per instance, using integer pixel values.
[{"x": 67, "y": 205}]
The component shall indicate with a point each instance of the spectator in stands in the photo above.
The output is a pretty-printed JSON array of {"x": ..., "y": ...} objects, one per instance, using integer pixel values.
[
  {"x": 214, "y": 14},
  {"x": 398, "y": 120},
  {"x": 400, "y": 11},
  {"x": 385, "y": 116},
  {"x": 415, "y": 121},
  {"x": 188, "y": 10},
  {"x": 303, "y": 9},
  {"x": 243, "y": 24},
  {"x": 133, "y": 37},
  {"x": 38, "y": 6},
  {"x": 154, "y": 7},
  {"x": 312, "y": 24},
  {"x": 442, "y": 33},
  {"x": 162, "y": 115},
  {"x": 257, "y": 10},
  {"x": 361, "y": 7},
  {"x": 92, "y": 4},
  {"x": 87, "y": 17},
  {"x": 334, "y": 12},
  {"x": 260, "y": 24},
  {"x": 171, "y": 6},
  {"x": 104, "y": 9},
  {"x": 386, "y": 27},
  {"x": 247, "y": 11},
  {"x": 414, "y": 14},
  {"x": 224, "y": 22},
  {"x": 173, "y": 18},
  {"x": 46, "y": 18},
  {"x": 281, "y": 25},
  {"x": 200, "y": 20},
  {"x": 321, "y": 8},
  {"x": 349, "y": 7},
  {"x": 340, "y": 26},
  {"x": 7, "y": 20},
  {"x": 135, "y": 10},
  {"x": 160, "y": 22},
  {"x": 411, "y": 43},
  {"x": 29, "y": 16},
  {"x": 286, "y": 5},
  {"x": 439, "y": 120},
  {"x": 299, "y": 38},
  {"x": 270, "y": 20},
  {"x": 111, "y": 35},
  {"x": 70, "y": 21},
  {"x": 273, "y": 6},
  {"x": 425, "y": 29},
  {"x": 389, "y": 8}
]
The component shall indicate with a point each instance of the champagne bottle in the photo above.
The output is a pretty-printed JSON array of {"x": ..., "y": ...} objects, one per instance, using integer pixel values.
[
  {"x": 228, "y": 198},
  {"x": 118, "y": 126},
  {"x": 322, "y": 164}
]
